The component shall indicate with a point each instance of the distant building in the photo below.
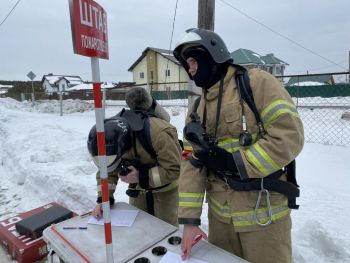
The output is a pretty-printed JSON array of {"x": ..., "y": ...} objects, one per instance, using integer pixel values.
[
  {"x": 4, "y": 89},
  {"x": 89, "y": 86},
  {"x": 250, "y": 59},
  {"x": 159, "y": 69},
  {"x": 157, "y": 65},
  {"x": 55, "y": 83},
  {"x": 311, "y": 80}
]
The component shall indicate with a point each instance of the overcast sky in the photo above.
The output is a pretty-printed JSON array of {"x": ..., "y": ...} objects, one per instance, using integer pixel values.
[{"x": 37, "y": 35}]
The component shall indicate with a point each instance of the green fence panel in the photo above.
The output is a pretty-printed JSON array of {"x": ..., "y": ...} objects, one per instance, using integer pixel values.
[
  {"x": 324, "y": 91},
  {"x": 170, "y": 95}
]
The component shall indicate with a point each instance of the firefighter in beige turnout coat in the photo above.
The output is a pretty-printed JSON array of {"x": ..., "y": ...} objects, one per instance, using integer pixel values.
[
  {"x": 234, "y": 223},
  {"x": 163, "y": 170}
]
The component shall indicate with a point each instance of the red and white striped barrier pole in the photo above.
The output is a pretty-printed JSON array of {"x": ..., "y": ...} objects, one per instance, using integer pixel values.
[{"x": 99, "y": 114}]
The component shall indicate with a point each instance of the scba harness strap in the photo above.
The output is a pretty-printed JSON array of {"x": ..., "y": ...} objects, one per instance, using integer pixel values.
[{"x": 272, "y": 182}]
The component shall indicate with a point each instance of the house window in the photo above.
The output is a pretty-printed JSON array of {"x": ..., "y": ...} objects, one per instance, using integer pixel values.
[
  {"x": 142, "y": 75},
  {"x": 167, "y": 73},
  {"x": 151, "y": 75},
  {"x": 278, "y": 70}
]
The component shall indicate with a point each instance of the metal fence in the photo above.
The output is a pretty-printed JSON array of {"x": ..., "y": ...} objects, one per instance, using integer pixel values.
[{"x": 324, "y": 109}]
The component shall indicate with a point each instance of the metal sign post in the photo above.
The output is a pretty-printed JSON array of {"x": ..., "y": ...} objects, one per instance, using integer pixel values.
[
  {"x": 32, "y": 76},
  {"x": 90, "y": 38}
]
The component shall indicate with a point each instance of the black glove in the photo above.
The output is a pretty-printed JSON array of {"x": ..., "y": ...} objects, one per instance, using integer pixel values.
[
  {"x": 216, "y": 159},
  {"x": 111, "y": 200}
]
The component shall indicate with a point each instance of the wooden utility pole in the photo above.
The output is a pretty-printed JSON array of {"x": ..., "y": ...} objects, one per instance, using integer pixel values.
[{"x": 206, "y": 15}]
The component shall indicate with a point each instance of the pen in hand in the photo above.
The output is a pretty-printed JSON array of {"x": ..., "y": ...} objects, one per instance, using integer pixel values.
[
  {"x": 194, "y": 241},
  {"x": 74, "y": 227}
]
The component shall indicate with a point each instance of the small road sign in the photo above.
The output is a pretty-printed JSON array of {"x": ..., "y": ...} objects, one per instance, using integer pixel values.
[{"x": 31, "y": 75}]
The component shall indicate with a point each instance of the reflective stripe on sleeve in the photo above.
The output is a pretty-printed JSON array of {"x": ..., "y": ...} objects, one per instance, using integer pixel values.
[
  {"x": 232, "y": 145},
  {"x": 191, "y": 199},
  {"x": 277, "y": 109},
  {"x": 261, "y": 160}
]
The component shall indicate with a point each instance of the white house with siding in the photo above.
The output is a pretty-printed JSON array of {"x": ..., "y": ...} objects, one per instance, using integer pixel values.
[
  {"x": 55, "y": 83},
  {"x": 159, "y": 70}
]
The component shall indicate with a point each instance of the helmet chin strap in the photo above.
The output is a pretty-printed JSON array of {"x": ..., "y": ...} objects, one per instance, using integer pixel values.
[
  {"x": 218, "y": 108},
  {"x": 114, "y": 165}
]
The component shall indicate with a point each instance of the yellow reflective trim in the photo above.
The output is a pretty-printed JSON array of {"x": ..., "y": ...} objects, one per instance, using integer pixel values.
[
  {"x": 247, "y": 213},
  {"x": 188, "y": 148},
  {"x": 232, "y": 150},
  {"x": 276, "y": 109},
  {"x": 260, "y": 210},
  {"x": 262, "y": 219},
  {"x": 234, "y": 143},
  {"x": 190, "y": 204},
  {"x": 256, "y": 162},
  {"x": 195, "y": 195},
  {"x": 218, "y": 209},
  {"x": 274, "y": 104},
  {"x": 227, "y": 141},
  {"x": 267, "y": 158},
  {"x": 278, "y": 113},
  {"x": 219, "y": 213}
]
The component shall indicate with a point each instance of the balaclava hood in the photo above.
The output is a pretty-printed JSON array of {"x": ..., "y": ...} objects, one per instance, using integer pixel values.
[{"x": 208, "y": 72}]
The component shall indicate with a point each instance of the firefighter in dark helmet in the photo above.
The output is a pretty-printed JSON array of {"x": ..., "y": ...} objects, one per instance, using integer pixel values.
[
  {"x": 237, "y": 158},
  {"x": 142, "y": 150}
]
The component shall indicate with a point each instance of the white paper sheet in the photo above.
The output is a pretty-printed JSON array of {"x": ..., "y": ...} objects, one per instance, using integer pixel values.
[
  {"x": 118, "y": 218},
  {"x": 171, "y": 257}
]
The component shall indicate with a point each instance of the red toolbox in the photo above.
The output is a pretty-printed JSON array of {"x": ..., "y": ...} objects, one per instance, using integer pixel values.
[{"x": 21, "y": 247}]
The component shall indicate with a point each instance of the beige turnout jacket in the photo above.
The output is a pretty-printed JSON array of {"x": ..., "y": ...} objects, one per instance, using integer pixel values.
[{"x": 277, "y": 148}]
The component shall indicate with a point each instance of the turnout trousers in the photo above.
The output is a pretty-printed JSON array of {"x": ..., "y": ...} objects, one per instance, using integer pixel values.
[{"x": 272, "y": 244}]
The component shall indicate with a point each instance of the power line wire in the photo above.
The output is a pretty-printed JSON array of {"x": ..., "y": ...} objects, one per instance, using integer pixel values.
[
  {"x": 13, "y": 8},
  {"x": 171, "y": 40},
  {"x": 172, "y": 30},
  {"x": 281, "y": 35}
]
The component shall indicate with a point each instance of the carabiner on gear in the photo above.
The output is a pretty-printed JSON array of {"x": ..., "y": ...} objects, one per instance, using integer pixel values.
[{"x": 257, "y": 206}]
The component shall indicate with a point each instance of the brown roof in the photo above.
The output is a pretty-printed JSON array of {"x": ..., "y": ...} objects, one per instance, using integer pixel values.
[{"x": 168, "y": 54}]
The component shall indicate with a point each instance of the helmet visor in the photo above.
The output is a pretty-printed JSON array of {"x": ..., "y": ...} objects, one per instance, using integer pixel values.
[{"x": 189, "y": 38}]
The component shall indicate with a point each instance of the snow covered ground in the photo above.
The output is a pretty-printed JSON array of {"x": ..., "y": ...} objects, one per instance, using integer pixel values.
[{"x": 43, "y": 158}]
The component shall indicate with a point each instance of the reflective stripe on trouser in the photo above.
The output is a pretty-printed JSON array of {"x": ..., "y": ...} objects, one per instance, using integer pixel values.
[
  {"x": 191, "y": 199},
  {"x": 247, "y": 218}
]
